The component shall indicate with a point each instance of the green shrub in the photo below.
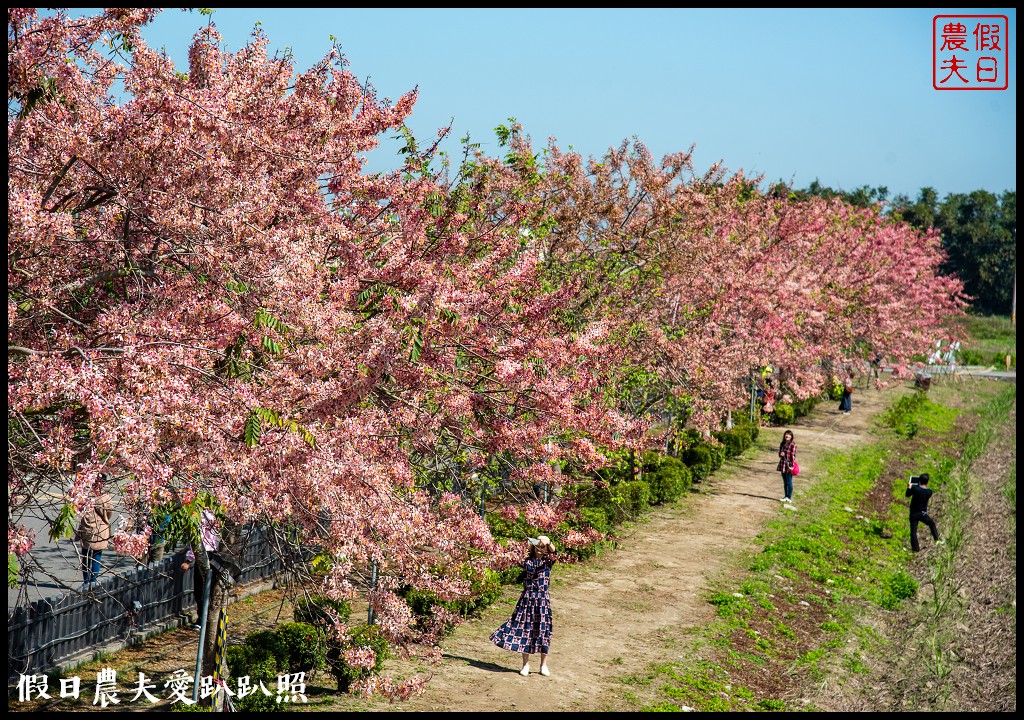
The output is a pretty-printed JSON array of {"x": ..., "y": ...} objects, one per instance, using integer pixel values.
[
  {"x": 668, "y": 479},
  {"x": 970, "y": 357},
  {"x": 717, "y": 456},
  {"x": 697, "y": 455},
  {"x": 746, "y": 435},
  {"x": 700, "y": 472},
  {"x": 613, "y": 473},
  {"x": 618, "y": 501},
  {"x": 368, "y": 636},
  {"x": 783, "y": 414},
  {"x": 504, "y": 529},
  {"x": 245, "y": 660},
  {"x": 703, "y": 454},
  {"x": 313, "y": 609},
  {"x": 597, "y": 518},
  {"x": 304, "y": 644},
  {"x": 198, "y": 707},
  {"x": 998, "y": 360},
  {"x": 835, "y": 391},
  {"x": 802, "y": 408},
  {"x": 269, "y": 642},
  {"x": 692, "y": 437},
  {"x": 484, "y": 589},
  {"x": 634, "y": 497},
  {"x": 256, "y": 663},
  {"x": 257, "y": 702},
  {"x": 511, "y": 575},
  {"x": 750, "y": 429},
  {"x": 732, "y": 441},
  {"x": 650, "y": 460}
]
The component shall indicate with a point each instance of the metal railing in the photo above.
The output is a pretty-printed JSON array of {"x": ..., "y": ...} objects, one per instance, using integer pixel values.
[{"x": 49, "y": 633}]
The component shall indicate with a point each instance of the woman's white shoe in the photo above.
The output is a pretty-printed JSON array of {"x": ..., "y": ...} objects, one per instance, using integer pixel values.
[
  {"x": 525, "y": 670},
  {"x": 544, "y": 670}
]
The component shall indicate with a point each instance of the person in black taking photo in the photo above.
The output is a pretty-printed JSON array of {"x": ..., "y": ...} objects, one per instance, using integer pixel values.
[{"x": 919, "y": 494}]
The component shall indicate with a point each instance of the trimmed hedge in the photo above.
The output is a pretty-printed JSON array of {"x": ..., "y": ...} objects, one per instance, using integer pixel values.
[
  {"x": 305, "y": 647},
  {"x": 618, "y": 501},
  {"x": 734, "y": 441},
  {"x": 700, "y": 471},
  {"x": 783, "y": 414},
  {"x": 667, "y": 477},
  {"x": 699, "y": 455}
]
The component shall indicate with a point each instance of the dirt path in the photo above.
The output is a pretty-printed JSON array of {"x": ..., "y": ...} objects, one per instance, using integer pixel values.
[{"x": 613, "y": 614}]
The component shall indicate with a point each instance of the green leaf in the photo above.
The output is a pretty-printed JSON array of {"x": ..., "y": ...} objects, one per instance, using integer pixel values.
[
  {"x": 12, "y": 570},
  {"x": 416, "y": 349},
  {"x": 271, "y": 346},
  {"x": 259, "y": 417},
  {"x": 46, "y": 91},
  {"x": 303, "y": 432},
  {"x": 253, "y": 429},
  {"x": 265, "y": 319},
  {"x": 63, "y": 526}
]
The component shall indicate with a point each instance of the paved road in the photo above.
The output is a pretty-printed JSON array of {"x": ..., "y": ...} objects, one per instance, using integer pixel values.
[
  {"x": 975, "y": 371},
  {"x": 1006, "y": 375},
  {"x": 54, "y": 566}
]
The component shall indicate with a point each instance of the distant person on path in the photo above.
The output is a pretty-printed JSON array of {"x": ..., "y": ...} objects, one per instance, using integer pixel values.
[
  {"x": 876, "y": 367},
  {"x": 846, "y": 404},
  {"x": 529, "y": 629},
  {"x": 160, "y": 523},
  {"x": 93, "y": 535},
  {"x": 919, "y": 494},
  {"x": 211, "y": 541},
  {"x": 787, "y": 459}
]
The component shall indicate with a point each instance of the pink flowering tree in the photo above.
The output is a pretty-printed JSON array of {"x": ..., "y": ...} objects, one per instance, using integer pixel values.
[
  {"x": 212, "y": 302},
  {"x": 209, "y": 300},
  {"x": 700, "y": 280}
]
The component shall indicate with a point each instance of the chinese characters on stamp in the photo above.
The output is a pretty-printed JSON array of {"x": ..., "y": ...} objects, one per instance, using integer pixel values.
[{"x": 970, "y": 52}]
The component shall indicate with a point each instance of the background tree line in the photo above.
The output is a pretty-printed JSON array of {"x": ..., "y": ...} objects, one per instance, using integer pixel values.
[{"x": 978, "y": 234}]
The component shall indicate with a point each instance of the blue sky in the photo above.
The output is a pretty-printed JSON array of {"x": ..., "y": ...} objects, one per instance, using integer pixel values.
[{"x": 842, "y": 96}]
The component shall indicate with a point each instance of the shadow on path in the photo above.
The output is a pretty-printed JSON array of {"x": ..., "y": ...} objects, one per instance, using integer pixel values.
[
  {"x": 753, "y": 495},
  {"x": 481, "y": 664}
]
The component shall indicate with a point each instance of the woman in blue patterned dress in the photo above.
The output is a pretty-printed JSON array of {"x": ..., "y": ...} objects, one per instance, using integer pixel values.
[{"x": 528, "y": 631}]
